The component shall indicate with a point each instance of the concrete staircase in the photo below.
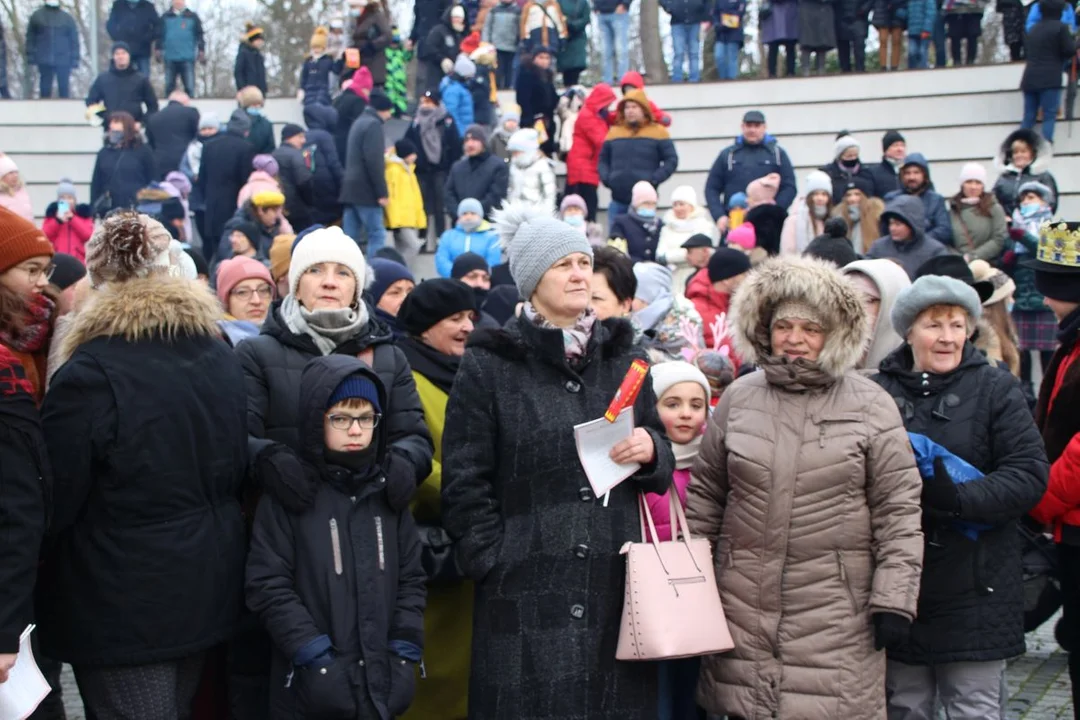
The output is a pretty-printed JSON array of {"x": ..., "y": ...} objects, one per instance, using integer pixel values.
[{"x": 952, "y": 116}]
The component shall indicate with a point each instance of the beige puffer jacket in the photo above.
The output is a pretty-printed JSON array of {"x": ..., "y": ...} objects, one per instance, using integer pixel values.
[{"x": 807, "y": 485}]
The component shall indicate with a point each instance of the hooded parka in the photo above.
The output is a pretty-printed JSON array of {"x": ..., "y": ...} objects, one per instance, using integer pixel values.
[
  {"x": 807, "y": 486},
  {"x": 916, "y": 250},
  {"x": 590, "y": 129},
  {"x": 889, "y": 279},
  {"x": 1007, "y": 187},
  {"x": 634, "y": 153}
]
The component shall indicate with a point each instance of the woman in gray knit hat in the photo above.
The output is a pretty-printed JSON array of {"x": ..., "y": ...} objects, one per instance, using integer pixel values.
[{"x": 543, "y": 550}]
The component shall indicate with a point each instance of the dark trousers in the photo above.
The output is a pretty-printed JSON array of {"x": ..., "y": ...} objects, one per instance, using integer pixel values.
[
  {"x": 1025, "y": 365},
  {"x": 588, "y": 194},
  {"x": 1016, "y": 51},
  {"x": 183, "y": 69},
  {"x": 789, "y": 57},
  {"x": 846, "y": 49},
  {"x": 963, "y": 26},
  {"x": 1069, "y": 628},
  {"x": 432, "y": 189},
  {"x": 504, "y": 73},
  {"x": 47, "y": 73},
  {"x": 570, "y": 77},
  {"x": 158, "y": 691}
]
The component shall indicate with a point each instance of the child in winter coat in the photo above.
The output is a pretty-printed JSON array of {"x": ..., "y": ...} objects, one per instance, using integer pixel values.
[
  {"x": 532, "y": 177},
  {"x": 509, "y": 122},
  {"x": 13, "y": 193},
  {"x": 482, "y": 86},
  {"x": 404, "y": 211},
  {"x": 340, "y": 587},
  {"x": 456, "y": 96},
  {"x": 316, "y": 70},
  {"x": 685, "y": 219},
  {"x": 397, "y": 63},
  {"x": 471, "y": 233},
  {"x": 736, "y": 210},
  {"x": 637, "y": 232},
  {"x": 1035, "y": 323},
  {"x": 682, "y": 401},
  {"x": 263, "y": 177},
  {"x": 68, "y": 225}
]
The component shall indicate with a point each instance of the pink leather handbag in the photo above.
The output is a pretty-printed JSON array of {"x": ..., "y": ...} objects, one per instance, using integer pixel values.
[{"x": 672, "y": 605}]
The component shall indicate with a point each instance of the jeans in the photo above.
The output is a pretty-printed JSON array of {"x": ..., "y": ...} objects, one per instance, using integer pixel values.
[
  {"x": 918, "y": 53},
  {"x": 938, "y": 37},
  {"x": 504, "y": 73},
  {"x": 686, "y": 41},
  {"x": 368, "y": 221},
  {"x": 62, "y": 75},
  {"x": 141, "y": 63},
  {"x": 1049, "y": 101},
  {"x": 727, "y": 56},
  {"x": 615, "y": 31},
  {"x": 185, "y": 69},
  {"x": 614, "y": 209}
]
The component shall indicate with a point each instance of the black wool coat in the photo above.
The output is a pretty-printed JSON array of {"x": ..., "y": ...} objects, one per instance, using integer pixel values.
[
  {"x": 145, "y": 426},
  {"x": 971, "y": 599},
  {"x": 121, "y": 172},
  {"x": 543, "y": 550},
  {"x": 226, "y": 165},
  {"x": 345, "y": 573},
  {"x": 484, "y": 177},
  {"x": 169, "y": 133},
  {"x": 885, "y": 178},
  {"x": 349, "y": 107},
  {"x": 364, "y": 181}
]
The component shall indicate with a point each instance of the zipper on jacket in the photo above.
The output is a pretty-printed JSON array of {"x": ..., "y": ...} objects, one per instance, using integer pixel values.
[
  {"x": 335, "y": 543},
  {"x": 379, "y": 540},
  {"x": 844, "y": 579}
]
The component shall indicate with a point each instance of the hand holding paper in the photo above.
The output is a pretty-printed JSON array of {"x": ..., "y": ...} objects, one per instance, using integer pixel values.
[
  {"x": 596, "y": 441},
  {"x": 638, "y": 448}
]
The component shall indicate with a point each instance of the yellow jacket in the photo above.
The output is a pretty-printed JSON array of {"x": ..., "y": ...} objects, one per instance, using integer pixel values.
[{"x": 405, "y": 208}]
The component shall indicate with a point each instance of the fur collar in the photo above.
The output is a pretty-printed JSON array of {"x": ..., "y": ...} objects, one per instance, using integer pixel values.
[
  {"x": 142, "y": 309},
  {"x": 815, "y": 282},
  {"x": 616, "y": 336}
]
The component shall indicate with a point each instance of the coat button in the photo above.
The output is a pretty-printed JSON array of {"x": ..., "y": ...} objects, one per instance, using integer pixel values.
[
  {"x": 322, "y": 671},
  {"x": 585, "y": 494},
  {"x": 581, "y": 551},
  {"x": 573, "y": 386},
  {"x": 361, "y": 663},
  {"x": 578, "y": 611}
]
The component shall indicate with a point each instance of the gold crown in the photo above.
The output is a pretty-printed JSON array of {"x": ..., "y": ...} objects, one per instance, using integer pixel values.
[{"x": 1059, "y": 243}]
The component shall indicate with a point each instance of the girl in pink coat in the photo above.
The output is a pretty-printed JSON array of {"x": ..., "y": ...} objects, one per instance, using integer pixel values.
[
  {"x": 13, "y": 194},
  {"x": 263, "y": 177}
]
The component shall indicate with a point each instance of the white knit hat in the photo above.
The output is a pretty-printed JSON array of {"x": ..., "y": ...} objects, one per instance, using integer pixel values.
[
  {"x": 329, "y": 244},
  {"x": 666, "y": 374},
  {"x": 844, "y": 142},
  {"x": 7, "y": 165},
  {"x": 535, "y": 241},
  {"x": 684, "y": 193},
  {"x": 818, "y": 180},
  {"x": 525, "y": 140},
  {"x": 973, "y": 171}
]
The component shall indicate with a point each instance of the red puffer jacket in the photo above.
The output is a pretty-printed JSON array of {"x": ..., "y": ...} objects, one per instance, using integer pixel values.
[
  {"x": 590, "y": 129},
  {"x": 710, "y": 304},
  {"x": 1058, "y": 417}
]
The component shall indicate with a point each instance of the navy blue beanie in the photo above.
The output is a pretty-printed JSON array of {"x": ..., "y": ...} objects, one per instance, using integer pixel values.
[
  {"x": 387, "y": 272},
  {"x": 355, "y": 386}
]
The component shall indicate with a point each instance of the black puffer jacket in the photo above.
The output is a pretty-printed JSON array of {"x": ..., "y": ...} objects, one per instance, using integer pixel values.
[
  {"x": 343, "y": 577},
  {"x": 971, "y": 601},
  {"x": 249, "y": 68},
  {"x": 274, "y": 361}
]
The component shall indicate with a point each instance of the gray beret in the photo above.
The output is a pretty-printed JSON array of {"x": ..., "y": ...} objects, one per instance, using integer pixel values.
[{"x": 928, "y": 291}]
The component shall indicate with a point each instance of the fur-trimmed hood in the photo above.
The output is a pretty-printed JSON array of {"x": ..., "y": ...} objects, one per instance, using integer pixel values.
[
  {"x": 1044, "y": 153},
  {"x": 141, "y": 309},
  {"x": 811, "y": 281}
]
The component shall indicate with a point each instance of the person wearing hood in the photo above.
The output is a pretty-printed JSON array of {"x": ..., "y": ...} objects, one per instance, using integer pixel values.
[
  {"x": 265, "y": 211},
  {"x": 13, "y": 193},
  {"x": 297, "y": 180},
  {"x": 1023, "y": 157},
  {"x": 68, "y": 224},
  {"x": 245, "y": 289},
  {"x": 1048, "y": 46},
  {"x": 1034, "y": 319},
  {"x": 321, "y": 121},
  {"x": 52, "y": 44},
  {"x": 806, "y": 219},
  {"x": 846, "y": 167},
  {"x": 438, "y": 146},
  {"x": 226, "y": 163},
  {"x": 123, "y": 167},
  {"x": 316, "y": 71},
  {"x": 478, "y": 175},
  {"x": 471, "y": 233},
  {"x": 122, "y": 88},
  {"x": 886, "y": 173},
  {"x": 363, "y": 187},
  {"x": 535, "y": 92},
  {"x": 454, "y": 89},
  {"x": 438, "y": 317},
  {"x": 851, "y": 534},
  {"x": 637, "y": 231},
  {"x": 636, "y": 149},
  {"x": 915, "y": 181},
  {"x": 391, "y": 285},
  {"x": 374, "y": 609},
  {"x": 532, "y": 177},
  {"x": 263, "y": 178},
  {"x": 135, "y": 513},
  {"x": 510, "y": 467},
  {"x": 684, "y": 220},
  {"x": 440, "y": 48},
  {"x": 754, "y": 155},
  {"x": 249, "y": 70},
  {"x": 170, "y": 131},
  {"x": 509, "y": 122},
  {"x": 583, "y": 161},
  {"x": 978, "y": 221},
  {"x": 633, "y": 80},
  {"x": 879, "y": 282},
  {"x": 669, "y": 322},
  {"x": 372, "y": 35},
  {"x": 970, "y": 616},
  {"x": 350, "y": 104},
  {"x": 405, "y": 216},
  {"x": 135, "y": 24},
  {"x": 905, "y": 240}
]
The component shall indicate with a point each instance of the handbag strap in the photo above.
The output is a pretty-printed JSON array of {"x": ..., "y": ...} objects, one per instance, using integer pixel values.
[{"x": 679, "y": 525}]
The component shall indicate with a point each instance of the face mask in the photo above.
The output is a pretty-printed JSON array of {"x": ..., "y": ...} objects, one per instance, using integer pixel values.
[
  {"x": 854, "y": 212},
  {"x": 1009, "y": 306},
  {"x": 1029, "y": 210},
  {"x": 52, "y": 3},
  {"x": 254, "y": 111},
  {"x": 849, "y": 164},
  {"x": 523, "y": 160},
  {"x": 819, "y": 211},
  {"x": 574, "y": 220},
  {"x": 116, "y": 137},
  {"x": 646, "y": 212},
  {"x": 469, "y": 225}
]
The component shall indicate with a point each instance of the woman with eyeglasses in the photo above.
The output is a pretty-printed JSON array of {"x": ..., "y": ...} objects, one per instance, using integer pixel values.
[{"x": 246, "y": 290}]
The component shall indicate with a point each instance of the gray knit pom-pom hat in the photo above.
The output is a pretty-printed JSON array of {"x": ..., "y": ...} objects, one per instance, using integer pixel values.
[{"x": 534, "y": 241}]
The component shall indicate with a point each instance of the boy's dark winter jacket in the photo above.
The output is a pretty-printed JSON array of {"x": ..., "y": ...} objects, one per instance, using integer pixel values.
[
  {"x": 250, "y": 68},
  {"x": 641, "y": 235},
  {"x": 340, "y": 587}
]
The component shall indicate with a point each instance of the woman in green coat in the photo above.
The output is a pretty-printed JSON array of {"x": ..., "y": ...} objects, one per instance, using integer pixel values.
[
  {"x": 438, "y": 317},
  {"x": 573, "y": 56}
]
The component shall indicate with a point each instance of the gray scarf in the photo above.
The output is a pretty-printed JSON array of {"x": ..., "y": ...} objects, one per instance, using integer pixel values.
[
  {"x": 328, "y": 328},
  {"x": 429, "y": 120}
]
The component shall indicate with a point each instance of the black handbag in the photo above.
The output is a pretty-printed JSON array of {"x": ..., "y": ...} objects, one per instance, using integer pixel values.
[{"x": 1042, "y": 590}]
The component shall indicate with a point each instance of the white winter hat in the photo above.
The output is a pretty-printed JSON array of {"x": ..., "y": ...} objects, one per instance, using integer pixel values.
[
  {"x": 525, "y": 140},
  {"x": 667, "y": 374},
  {"x": 7, "y": 165},
  {"x": 973, "y": 171},
  {"x": 844, "y": 142},
  {"x": 329, "y": 244},
  {"x": 684, "y": 193},
  {"x": 817, "y": 180}
]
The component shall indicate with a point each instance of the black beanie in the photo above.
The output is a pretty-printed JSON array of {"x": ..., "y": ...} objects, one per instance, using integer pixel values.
[
  {"x": 67, "y": 270},
  {"x": 833, "y": 245},
  {"x": 404, "y": 147},
  {"x": 466, "y": 263},
  {"x": 379, "y": 101},
  {"x": 250, "y": 230},
  {"x": 727, "y": 263},
  {"x": 890, "y": 137},
  {"x": 1064, "y": 287},
  {"x": 290, "y": 130},
  {"x": 432, "y": 301}
]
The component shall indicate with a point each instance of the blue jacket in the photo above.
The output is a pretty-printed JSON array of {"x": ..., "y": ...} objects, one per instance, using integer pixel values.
[
  {"x": 483, "y": 241},
  {"x": 740, "y": 164},
  {"x": 458, "y": 100},
  {"x": 1068, "y": 16},
  {"x": 938, "y": 224},
  {"x": 729, "y": 7},
  {"x": 921, "y": 16},
  {"x": 315, "y": 79},
  {"x": 180, "y": 36},
  {"x": 52, "y": 38},
  {"x": 135, "y": 24}
]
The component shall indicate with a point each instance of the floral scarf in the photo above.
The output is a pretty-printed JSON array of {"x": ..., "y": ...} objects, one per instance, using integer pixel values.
[
  {"x": 575, "y": 338},
  {"x": 35, "y": 331}
]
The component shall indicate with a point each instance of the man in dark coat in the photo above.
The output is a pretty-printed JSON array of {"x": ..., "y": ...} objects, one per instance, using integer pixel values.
[
  {"x": 438, "y": 146},
  {"x": 122, "y": 87},
  {"x": 440, "y": 47},
  {"x": 915, "y": 181},
  {"x": 134, "y": 22},
  {"x": 294, "y": 175},
  {"x": 905, "y": 239},
  {"x": 363, "y": 186},
  {"x": 478, "y": 175},
  {"x": 170, "y": 131},
  {"x": 321, "y": 121},
  {"x": 754, "y": 154},
  {"x": 249, "y": 70},
  {"x": 426, "y": 15},
  {"x": 1049, "y": 45},
  {"x": 52, "y": 43},
  {"x": 884, "y": 173},
  {"x": 225, "y": 167}
]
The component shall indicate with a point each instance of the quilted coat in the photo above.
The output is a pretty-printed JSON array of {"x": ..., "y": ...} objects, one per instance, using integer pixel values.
[
  {"x": 543, "y": 549},
  {"x": 590, "y": 129},
  {"x": 807, "y": 486}
]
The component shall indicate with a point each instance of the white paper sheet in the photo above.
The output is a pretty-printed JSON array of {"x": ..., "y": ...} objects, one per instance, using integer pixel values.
[
  {"x": 594, "y": 442},
  {"x": 26, "y": 687}
]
